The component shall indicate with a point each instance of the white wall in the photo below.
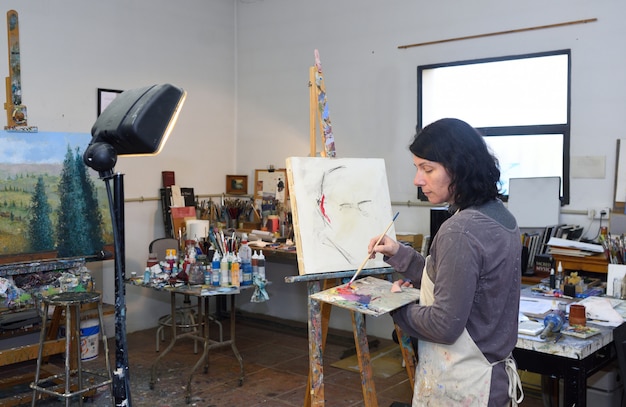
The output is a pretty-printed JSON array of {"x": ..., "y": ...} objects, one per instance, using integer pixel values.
[
  {"x": 69, "y": 48},
  {"x": 245, "y": 65},
  {"x": 372, "y": 85}
]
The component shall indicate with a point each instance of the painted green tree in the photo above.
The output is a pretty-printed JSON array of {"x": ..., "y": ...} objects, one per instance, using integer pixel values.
[
  {"x": 93, "y": 216},
  {"x": 78, "y": 230},
  {"x": 40, "y": 230}
]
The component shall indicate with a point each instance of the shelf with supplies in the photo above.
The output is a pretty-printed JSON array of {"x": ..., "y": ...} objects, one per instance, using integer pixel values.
[
  {"x": 574, "y": 255},
  {"x": 596, "y": 263}
]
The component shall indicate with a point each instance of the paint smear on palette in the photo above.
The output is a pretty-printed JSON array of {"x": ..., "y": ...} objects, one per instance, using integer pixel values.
[
  {"x": 369, "y": 295},
  {"x": 349, "y": 293}
]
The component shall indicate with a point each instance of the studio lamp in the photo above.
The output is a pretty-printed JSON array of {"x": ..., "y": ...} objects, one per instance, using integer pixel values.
[{"x": 137, "y": 122}]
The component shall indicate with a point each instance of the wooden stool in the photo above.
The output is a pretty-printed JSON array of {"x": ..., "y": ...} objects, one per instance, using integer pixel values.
[{"x": 72, "y": 302}]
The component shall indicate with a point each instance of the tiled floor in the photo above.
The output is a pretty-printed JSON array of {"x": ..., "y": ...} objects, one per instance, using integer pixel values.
[{"x": 275, "y": 363}]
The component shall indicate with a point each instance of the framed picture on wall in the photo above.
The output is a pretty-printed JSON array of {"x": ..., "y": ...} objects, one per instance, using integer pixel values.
[
  {"x": 105, "y": 97},
  {"x": 271, "y": 183},
  {"x": 237, "y": 184}
]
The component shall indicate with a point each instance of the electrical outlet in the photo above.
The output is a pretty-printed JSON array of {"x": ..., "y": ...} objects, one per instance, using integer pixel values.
[{"x": 599, "y": 213}]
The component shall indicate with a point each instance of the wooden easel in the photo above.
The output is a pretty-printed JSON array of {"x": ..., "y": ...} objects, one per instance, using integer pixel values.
[
  {"x": 319, "y": 312},
  {"x": 318, "y": 318},
  {"x": 317, "y": 103}
]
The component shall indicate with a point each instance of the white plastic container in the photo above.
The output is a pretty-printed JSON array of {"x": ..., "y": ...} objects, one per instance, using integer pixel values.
[{"x": 89, "y": 339}]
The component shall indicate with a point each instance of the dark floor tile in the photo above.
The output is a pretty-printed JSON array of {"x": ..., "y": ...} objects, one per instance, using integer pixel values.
[{"x": 276, "y": 365}]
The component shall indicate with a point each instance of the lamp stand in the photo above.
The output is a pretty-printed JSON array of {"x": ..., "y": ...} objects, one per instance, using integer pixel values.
[{"x": 121, "y": 377}]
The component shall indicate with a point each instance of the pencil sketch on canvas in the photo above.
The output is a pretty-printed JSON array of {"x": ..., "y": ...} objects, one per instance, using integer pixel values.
[{"x": 338, "y": 205}]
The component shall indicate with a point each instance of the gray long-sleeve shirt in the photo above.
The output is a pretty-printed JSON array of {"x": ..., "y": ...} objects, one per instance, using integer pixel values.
[{"x": 475, "y": 266}]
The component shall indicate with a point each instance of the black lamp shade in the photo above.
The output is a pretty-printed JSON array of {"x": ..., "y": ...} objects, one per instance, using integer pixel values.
[{"x": 138, "y": 121}]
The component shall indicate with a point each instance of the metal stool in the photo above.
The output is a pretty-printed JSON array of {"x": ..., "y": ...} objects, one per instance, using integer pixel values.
[
  {"x": 186, "y": 321},
  {"x": 72, "y": 302}
]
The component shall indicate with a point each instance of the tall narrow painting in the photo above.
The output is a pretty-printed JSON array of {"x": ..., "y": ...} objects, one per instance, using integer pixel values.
[{"x": 338, "y": 205}]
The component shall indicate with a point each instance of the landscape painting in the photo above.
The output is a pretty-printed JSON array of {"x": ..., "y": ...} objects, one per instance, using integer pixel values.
[{"x": 51, "y": 205}]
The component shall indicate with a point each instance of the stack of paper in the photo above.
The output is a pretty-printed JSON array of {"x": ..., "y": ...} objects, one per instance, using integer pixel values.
[{"x": 573, "y": 248}]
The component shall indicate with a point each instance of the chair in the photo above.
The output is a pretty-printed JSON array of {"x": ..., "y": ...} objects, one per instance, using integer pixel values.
[{"x": 159, "y": 246}]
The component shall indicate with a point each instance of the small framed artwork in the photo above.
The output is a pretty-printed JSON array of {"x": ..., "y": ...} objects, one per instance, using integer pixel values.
[
  {"x": 237, "y": 184},
  {"x": 105, "y": 97},
  {"x": 271, "y": 183}
]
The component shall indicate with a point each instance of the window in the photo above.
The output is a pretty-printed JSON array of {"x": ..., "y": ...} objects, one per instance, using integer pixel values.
[{"x": 520, "y": 104}]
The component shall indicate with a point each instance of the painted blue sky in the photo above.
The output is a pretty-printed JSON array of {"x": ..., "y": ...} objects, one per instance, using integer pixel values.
[{"x": 39, "y": 148}]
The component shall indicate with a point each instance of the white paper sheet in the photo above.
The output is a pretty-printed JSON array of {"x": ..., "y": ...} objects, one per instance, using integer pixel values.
[{"x": 536, "y": 306}]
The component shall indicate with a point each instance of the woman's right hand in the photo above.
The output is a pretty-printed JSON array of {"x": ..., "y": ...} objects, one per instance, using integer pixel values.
[{"x": 387, "y": 246}]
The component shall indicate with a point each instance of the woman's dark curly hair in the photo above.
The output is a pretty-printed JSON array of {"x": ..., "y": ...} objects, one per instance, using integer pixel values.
[{"x": 474, "y": 172}]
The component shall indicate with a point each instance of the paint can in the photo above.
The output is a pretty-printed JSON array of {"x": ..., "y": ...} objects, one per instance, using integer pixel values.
[
  {"x": 272, "y": 223},
  {"x": 89, "y": 335}
]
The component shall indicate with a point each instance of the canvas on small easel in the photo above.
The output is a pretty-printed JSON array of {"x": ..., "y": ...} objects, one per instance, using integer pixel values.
[{"x": 338, "y": 205}]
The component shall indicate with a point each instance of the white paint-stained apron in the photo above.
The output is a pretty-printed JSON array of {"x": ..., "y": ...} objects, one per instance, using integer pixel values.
[{"x": 457, "y": 374}]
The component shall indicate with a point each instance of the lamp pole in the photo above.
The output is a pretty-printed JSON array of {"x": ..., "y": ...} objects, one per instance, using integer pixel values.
[{"x": 121, "y": 377}]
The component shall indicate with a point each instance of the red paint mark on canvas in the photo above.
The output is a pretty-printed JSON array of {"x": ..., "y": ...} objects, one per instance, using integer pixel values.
[{"x": 323, "y": 209}]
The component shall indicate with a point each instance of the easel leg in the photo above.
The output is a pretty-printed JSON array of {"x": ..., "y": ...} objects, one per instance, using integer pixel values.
[
  {"x": 319, "y": 315},
  {"x": 363, "y": 356},
  {"x": 315, "y": 393},
  {"x": 408, "y": 355}
]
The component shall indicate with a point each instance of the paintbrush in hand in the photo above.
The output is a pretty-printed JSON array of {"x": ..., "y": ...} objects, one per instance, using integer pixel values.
[{"x": 370, "y": 253}]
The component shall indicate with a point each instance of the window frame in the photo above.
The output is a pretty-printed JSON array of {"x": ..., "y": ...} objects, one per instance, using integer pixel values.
[{"x": 563, "y": 128}]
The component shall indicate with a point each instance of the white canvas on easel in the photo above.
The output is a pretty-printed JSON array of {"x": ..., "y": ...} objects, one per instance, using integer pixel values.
[
  {"x": 338, "y": 205},
  {"x": 535, "y": 202}
]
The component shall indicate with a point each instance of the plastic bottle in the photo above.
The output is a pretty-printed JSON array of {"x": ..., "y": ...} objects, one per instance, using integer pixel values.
[
  {"x": 552, "y": 279},
  {"x": 224, "y": 277},
  {"x": 559, "y": 277},
  {"x": 240, "y": 268},
  {"x": 170, "y": 258},
  {"x": 215, "y": 270},
  {"x": 261, "y": 265},
  {"x": 246, "y": 274},
  {"x": 234, "y": 272},
  {"x": 207, "y": 274},
  {"x": 255, "y": 264},
  {"x": 245, "y": 254},
  {"x": 146, "y": 276}
]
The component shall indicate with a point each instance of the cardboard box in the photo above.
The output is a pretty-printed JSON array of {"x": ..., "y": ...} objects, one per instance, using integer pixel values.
[{"x": 414, "y": 240}]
